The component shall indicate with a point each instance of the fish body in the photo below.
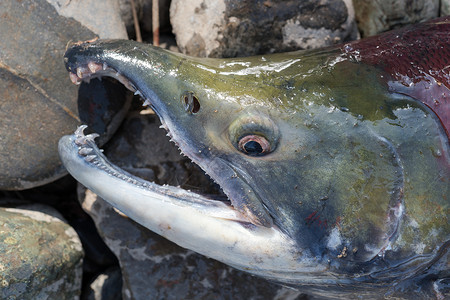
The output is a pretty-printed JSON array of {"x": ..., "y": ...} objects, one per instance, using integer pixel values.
[{"x": 335, "y": 161}]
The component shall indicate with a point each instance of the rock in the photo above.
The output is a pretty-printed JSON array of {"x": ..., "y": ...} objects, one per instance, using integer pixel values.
[
  {"x": 37, "y": 100},
  {"x": 40, "y": 255},
  {"x": 374, "y": 17},
  {"x": 153, "y": 267},
  {"x": 97, "y": 256},
  {"x": 106, "y": 286},
  {"x": 101, "y": 17},
  {"x": 242, "y": 28},
  {"x": 144, "y": 13},
  {"x": 445, "y": 7}
]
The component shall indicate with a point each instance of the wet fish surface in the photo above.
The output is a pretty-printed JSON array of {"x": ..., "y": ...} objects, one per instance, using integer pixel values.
[{"x": 335, "y": 162}]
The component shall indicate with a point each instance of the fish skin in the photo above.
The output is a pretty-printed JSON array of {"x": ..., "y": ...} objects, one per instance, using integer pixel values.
[
  {"x": 359, "y": 169},
  {"x": 415, "y": 61}
]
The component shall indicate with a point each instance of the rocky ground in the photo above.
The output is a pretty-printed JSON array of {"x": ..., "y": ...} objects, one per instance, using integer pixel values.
[{"x": 61, "y": 241}]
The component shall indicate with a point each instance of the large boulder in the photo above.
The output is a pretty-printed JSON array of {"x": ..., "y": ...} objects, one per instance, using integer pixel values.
[
  {"x": 230, "y": 28},
  {"x": 38, "y": 103},
  {"x": 40, "y": 255}
]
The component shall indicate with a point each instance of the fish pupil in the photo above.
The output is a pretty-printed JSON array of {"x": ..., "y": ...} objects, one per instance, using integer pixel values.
[
  {"x": 253, "y": 148},
  {"x": 254, "y": 145}
]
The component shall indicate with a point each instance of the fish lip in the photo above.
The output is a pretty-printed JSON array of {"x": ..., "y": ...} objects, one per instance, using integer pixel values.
[{"x": 94, "y": 67}]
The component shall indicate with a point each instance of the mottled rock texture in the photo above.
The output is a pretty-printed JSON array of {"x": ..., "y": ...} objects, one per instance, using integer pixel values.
[
  {"x": 38, "y": 103},
  {"x": 230, "y": 28},
  {"x": 374, "y": 17},
  {"x": 102, "y": 17},
  {"x": 40, "y": 255}
]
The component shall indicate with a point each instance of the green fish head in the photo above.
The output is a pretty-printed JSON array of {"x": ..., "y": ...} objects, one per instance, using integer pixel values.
[{"x": 310, "y": 144}]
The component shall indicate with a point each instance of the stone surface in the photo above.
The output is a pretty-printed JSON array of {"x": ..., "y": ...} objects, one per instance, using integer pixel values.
[
  {"x": 40, "y": 255},
  {"x": 445, "y": 7},
  {"x": 229, "y": 28},
  {"x": 144, "y": 13},
  {"x": 38, "y": 102},
  {"x": 153, "y": 267},
  {"x": 61, "y": 195},
  {"x": 374, "y": 17},
  {"x": 101, "y": 17}
]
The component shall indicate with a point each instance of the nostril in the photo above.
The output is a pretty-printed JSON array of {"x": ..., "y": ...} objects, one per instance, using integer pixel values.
[{"x": 191, "y": 103}]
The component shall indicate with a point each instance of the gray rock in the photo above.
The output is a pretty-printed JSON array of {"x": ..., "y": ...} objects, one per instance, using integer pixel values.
[
  {"x": 102, "y": 17},
  {"x": 445, "y": 7},
  {"x": 40, "y": 255},
  {"x": 374, "y": 17},
  {"x": 241, "y": 28},
  {"x": 153, "y": 267},
  {"x": 38, "y": 102}
]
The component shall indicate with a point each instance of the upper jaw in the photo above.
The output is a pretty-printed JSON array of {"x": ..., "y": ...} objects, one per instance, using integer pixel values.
[{"x": 87, "y": 61}]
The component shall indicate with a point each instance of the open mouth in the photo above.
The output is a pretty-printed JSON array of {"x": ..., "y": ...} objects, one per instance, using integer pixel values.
[
  {"x": 214, "y": 204},
  {"x": 88, "y": 61},
  {"x": 92, "y": 155},
  {"x": 242, "y": 237},
  {"x": 209, "y": 226}
]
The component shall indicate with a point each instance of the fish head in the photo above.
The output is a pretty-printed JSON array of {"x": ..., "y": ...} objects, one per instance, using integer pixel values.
[{"x": 308, "y": 147}]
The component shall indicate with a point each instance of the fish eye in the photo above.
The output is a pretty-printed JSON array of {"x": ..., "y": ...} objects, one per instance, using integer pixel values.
[
  {"x": 254, "y": 145},
  {"x": 254, "y": 134}
]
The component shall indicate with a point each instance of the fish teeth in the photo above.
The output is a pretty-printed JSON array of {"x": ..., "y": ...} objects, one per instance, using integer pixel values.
[
  {"x": 81, "y": 71},
  {"x": 146, "y": 102},
  {"x": 84, "y": 72},
  {"x": 80, "y": 141},
  {"x": 92, "y": 136},
  {"x": 85, "y": 151},
  {"x": 80, "y": 130},
  {"x": 81, "y": 138},
  {"x": 94, "y": 67},
  {"x": 90, "y": 158},
  {"x": 74, "y": 78}
]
